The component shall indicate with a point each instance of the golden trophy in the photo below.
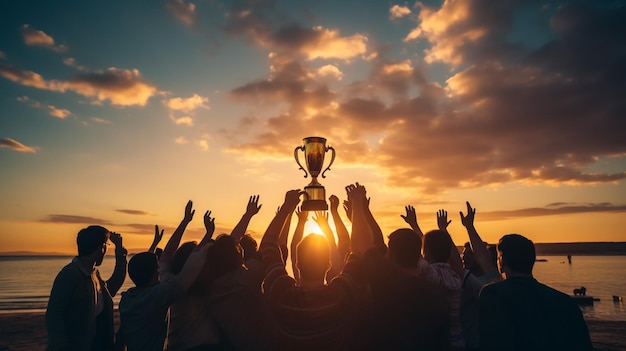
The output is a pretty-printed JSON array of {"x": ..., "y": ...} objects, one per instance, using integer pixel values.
[{"x": 314, "y": 149}]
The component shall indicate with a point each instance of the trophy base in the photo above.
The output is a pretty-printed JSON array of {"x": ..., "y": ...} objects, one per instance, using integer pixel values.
[{"x": 314, "y": 205}]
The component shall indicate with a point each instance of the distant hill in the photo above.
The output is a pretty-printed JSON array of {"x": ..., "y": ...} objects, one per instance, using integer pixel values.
[{"x": 581, "y": 249}]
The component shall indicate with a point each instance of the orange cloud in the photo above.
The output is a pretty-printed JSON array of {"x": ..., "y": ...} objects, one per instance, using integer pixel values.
[
  {"x": 329, "y": 44},
  {"x": 52, "y": 110},
  {"x": 16, "y": 145},
  {"x": 185, "y": 105},
  {"x": 34, "y": 37},
  {"x": 397, "y": 11},
  {"x": 121, "y": 87},
  {"x": 330, "y": 70}
]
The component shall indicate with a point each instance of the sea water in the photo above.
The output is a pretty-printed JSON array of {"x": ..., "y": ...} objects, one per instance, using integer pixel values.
[{"x": 25, "y": 282}]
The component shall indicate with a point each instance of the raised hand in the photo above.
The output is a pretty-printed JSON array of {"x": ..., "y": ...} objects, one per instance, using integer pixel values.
[
  {"x": 189, "y": 211},
  {"x": 209, "y": 224},
  {"x": 157, "y": 235},
  {"x": 442, "y": 220},
  {"x": 334, "y": 202},
  {"x": 468, "y": 220},
  {"x": 321, "y": 218},
  {"x": 302, "y": 215},
  {"x": 253, "y": 205},
  {"x": 410, "y": 218},
  {"x": 347, "y": 206},
  {"x": 116, "y": 239},
  {"x": 292, "y": 198}
]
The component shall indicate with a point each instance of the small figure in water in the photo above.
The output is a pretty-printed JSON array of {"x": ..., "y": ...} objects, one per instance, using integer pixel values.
[{"x": 569, "y": 259}]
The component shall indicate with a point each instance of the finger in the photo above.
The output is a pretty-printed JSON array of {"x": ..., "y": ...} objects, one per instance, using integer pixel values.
[{"x": 450, "y": 221}]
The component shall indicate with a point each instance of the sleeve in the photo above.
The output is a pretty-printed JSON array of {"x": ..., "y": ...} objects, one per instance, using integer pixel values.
[
  {"x": 496, "y": 328},
  {"x": 277, "y": 283},
  {"x": 59, "y": 301},
  {"x": 166, "y": 293},
  {"x": 472, "y": 284},
  {"x": 119, "y": 273}
]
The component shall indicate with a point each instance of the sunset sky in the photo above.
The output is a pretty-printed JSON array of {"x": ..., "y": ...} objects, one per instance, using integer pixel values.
[{"x": 118, "y": 112}]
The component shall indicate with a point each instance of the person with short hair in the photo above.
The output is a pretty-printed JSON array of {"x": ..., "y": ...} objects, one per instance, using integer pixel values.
[
  {"x": 310, "y": 314},
  {"x": 79, "y": 315},
  {"x": 144, "y": 309},
  {"x": 520, "y": 313}
]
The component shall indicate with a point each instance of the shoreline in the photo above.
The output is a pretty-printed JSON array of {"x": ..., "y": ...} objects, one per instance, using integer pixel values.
[{"x": 26, "y": 331}]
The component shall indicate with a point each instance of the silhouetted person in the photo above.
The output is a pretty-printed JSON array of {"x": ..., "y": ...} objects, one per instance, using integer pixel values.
[
  {"x": 479, "y": 261},
  {"x": 310, "y": 315},
  {"x": 80, "y": 309},
  {"x": 144, "y": 316},
  {"x": 520, "y": 313}
]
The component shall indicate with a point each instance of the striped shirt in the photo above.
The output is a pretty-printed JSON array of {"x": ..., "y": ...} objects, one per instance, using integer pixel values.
[{"x": 309, "y": 319}]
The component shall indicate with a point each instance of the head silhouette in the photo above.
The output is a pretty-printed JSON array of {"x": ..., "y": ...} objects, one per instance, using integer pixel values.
[
  {"x": 248, "y": 245},
  {"x": 92, "y": 241},
  {"x": 517, "y": 254},
  {"x": 181, "y": 255},
  {"x": 143, "y": 269},
  {"x": 437, "y": 246},
  {"x": 313, "y": 257},
  {"x": 405, "y": 247},
  {"x": 224, "y": 256}
]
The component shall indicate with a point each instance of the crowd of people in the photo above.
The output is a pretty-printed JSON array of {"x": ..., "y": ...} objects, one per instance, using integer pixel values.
[{"x": 349, "y": 290}]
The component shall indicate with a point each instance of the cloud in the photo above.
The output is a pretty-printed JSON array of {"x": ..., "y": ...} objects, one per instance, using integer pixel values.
[
  {"x": 64, "y": 218},
  {"x": 255, "y": 23},
  {"x": 100, "y": 120},
  {"x": 185, "y": 13},
  {"x": 330, "y": 70},
  {"x": 541, "y": 114},
  {"x": 203, "y": 144},
  {"x": 16, "y": 145},
  {"x": 397, "y": 11},
  {"x": 134, "y": 212},
  {"x": 3, "y": 55},
  {"x": 187, "y": 106},
  {"x": 119, "y": 86},
  {"x": 181, "y": 140},
  {"x": 71, "y": 62},
  {"x": 60, "y": 113},
  {"x": 461, "y": 30},
  {"x": 34, "y": 37},
  {"x": 552, "y": 211}
]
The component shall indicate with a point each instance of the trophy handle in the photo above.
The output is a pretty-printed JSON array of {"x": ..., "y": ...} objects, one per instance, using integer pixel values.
[
  {"x": 295, "y": 155},
  {"x": 332, "y": 159}
]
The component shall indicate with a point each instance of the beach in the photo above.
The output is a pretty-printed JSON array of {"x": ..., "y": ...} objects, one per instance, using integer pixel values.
[{"x": 26, "y": 331}]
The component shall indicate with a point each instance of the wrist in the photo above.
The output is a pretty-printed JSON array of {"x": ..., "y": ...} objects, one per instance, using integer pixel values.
[{"x": 120, "y": 251}]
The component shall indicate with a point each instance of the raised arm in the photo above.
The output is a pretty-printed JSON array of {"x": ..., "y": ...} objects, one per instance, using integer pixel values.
[
  {"x": 157, "y": 238},
  {"x": 321, "y": 218},
  {"x": 377, "y": 233},
  {"x": 455, "y": 258},
  {"x": 343, "y": 237},
  {"x": 270, "y": 238},
  {"x": 411, "y": 219},
  {"x": 295, "y": 240},
  {"x": 209, "y": 225},
  {"x": 362, "y": 237},
  {"x": 172, "y": 244},
  {"x": 284, "y": 235},
  {"x": 252, "y": 209},
  {"x": 481, "y": 253},
  {"x": 114, "y": 283}
]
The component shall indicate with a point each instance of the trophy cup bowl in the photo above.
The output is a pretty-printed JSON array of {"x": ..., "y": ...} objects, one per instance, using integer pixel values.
[{"x": 314, "y": 149}]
